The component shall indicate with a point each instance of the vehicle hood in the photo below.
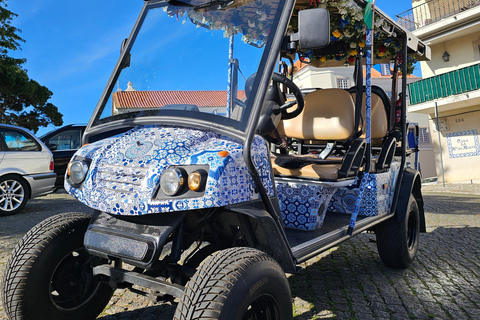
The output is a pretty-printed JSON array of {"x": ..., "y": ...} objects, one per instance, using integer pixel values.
[{"x": 125, "y": 170}]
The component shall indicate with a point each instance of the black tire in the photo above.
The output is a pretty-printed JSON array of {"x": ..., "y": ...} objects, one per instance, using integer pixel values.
[
  {"x": 235, "y": 284},
  {"x": 397, "y": 242},
  {"x": 49, "y": 274},
  {"x": 14, "y": 194}
]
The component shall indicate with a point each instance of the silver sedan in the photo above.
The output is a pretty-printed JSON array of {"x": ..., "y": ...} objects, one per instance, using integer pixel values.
[{"x": 26, "y": 168}]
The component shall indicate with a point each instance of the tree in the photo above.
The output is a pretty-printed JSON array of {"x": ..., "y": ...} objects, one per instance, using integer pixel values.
[{"x": 23, "y": 101}]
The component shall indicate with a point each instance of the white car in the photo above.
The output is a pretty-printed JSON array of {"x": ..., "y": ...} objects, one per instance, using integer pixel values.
[{"x": 26, "y": 168}]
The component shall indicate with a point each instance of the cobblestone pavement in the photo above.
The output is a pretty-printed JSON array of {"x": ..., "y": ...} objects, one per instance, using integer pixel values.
[{"x": 348, "y": 281}]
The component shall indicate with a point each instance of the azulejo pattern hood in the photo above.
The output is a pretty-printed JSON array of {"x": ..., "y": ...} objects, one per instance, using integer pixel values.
[{"x": 125, "y": 170}]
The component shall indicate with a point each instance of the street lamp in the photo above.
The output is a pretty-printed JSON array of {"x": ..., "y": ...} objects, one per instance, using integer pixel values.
[{"x": 446, "y": 56}]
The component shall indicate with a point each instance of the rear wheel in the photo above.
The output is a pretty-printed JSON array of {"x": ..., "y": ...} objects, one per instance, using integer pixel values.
[
  {"x": 397, "y": 242},
  {"x": 13, "y": 194},
  {"x": 237, "y": 284},
  {"x": 49, "y": 274}
]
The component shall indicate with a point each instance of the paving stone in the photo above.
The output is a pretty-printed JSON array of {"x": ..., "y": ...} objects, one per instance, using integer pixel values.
[
  {"x": 382, "y": 315},
  {"x": 399, "y": 316},
  {"x": 473, "y": 313},
  {"x": 364, "y": 316},
  {"x": 361, "y": 308}
]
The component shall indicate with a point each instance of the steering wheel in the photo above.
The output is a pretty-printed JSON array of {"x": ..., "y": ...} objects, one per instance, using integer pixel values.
[{"x": 278, "y": 78}]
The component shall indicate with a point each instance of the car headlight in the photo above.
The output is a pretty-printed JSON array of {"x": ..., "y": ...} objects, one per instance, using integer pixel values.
[
  {"x": 77, "y": 171},
  {"x": 172, "y": 181}
]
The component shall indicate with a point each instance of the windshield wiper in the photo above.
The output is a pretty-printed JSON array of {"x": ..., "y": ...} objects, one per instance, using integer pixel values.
[{"x": 215, "y": 4}]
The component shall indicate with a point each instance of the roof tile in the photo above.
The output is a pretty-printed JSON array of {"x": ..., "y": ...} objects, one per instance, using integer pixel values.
[{"x": 158, "y": 99}]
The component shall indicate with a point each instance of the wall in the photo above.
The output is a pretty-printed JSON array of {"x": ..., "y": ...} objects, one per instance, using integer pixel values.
[
  {"x": 426, "y": 155},
  {"x": 464, "y": 51},
  {"x": 460, "y": 147},
  {"x": 311, "y": 77}
]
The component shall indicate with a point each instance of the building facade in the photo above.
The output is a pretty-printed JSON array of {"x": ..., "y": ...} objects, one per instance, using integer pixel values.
[{"x": 450, "y": 90}]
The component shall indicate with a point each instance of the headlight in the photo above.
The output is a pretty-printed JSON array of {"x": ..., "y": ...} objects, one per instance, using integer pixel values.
[
  {"x": 172, "y": 181},
  {"x": 77, "y": 170}
]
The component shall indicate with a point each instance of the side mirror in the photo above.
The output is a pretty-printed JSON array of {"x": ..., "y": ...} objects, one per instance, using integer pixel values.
[
  {"x": 52, "y": 147},
  {"x": 126, "y": 60},
  {"x": 313, "y": 29}
]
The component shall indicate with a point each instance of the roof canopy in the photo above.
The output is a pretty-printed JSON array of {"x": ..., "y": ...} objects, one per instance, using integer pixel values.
[{"x": 348, "y": 31}]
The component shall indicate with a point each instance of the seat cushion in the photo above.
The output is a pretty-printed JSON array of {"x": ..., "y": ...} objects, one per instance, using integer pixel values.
[
  {"x": 324, "y": 171},
  {"x": 293, "y": 161}
]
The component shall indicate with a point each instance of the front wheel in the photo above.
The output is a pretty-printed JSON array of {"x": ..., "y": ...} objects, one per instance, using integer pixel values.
[
  {"x": 49, "y": 274},
  {"x": 397, "y": 242},
  {"x": 237, "y": 284}
]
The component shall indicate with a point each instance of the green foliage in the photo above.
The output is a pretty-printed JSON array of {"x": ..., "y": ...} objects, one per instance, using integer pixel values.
[{"x": 23, "y": 101}]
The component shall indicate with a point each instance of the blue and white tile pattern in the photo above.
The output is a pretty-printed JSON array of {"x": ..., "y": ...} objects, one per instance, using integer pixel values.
[{"x": 125, "y": 170}]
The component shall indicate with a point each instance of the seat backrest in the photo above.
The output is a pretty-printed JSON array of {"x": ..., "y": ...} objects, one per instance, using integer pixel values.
[
  {"x": 380, "y": 106},
  {"x": 328, "y": 115}
]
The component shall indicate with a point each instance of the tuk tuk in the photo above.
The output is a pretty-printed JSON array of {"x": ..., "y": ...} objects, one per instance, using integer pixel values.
[{"x": 211, "y": 174}]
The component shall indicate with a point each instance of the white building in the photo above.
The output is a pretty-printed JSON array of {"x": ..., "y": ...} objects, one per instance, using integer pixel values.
[{"x": 451, "y": 83}]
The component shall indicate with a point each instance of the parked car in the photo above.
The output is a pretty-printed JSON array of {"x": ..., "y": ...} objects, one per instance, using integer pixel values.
[
  {"x": 63, "y": 142},
  {"x": 26, "y": 168}
]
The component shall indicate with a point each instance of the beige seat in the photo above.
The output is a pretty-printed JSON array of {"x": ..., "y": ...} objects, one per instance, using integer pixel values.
[
  {"x": 379, "y": 123},
  {"x": 381, "y": 127},
  {"x": 328, "y": 115}
]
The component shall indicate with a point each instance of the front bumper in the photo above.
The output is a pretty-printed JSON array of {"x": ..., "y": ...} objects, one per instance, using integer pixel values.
[
  {"x": 136, "y": 240},
  {"x": 41, "y": 184}
]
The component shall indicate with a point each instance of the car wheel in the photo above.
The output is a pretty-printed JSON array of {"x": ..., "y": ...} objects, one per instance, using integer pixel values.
[
  {"x": 13, "y": 194},
  {"x": 237, "y": 284},
  {"x": 49, "y": 275},
  {"x": 397, "y": 242}
]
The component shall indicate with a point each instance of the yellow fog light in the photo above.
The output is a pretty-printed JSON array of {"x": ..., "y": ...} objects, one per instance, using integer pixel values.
[{"x": 194, "y": 181}]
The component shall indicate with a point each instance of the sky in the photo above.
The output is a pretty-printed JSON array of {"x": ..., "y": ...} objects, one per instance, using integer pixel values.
[{"x": 72, "y": 46}]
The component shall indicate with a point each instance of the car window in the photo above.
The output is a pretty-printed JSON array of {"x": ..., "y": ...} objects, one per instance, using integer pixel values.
[
  {"x": 65, "y": 140},
  {"x": 19, "y": 141}
]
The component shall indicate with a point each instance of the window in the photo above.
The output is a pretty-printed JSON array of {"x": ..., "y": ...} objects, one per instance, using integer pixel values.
[
  {"x": 19, "y": 141},
  {"x": 342, "y": 83},
  {"x": 65, "y": 140},
  {"x": 385, "y": 69},
  {"x": 476, "y": 50},
  {"x": 423, "y": 137}
]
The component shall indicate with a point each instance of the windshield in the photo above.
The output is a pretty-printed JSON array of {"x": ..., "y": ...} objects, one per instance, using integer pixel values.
[{"x": 191, "y": 59}]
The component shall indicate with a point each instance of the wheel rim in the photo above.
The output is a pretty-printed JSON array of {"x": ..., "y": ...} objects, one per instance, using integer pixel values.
[
  {"x": 411, "y": 231},
  {"x": 12, "y": 195},
  {"x": 262, "y": 308},
  {"x": 72, "y": 283}
]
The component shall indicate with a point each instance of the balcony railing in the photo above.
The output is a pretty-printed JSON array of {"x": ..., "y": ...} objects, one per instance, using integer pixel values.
[
  {"x": 445, "y": 85},
  {"x": 432, "y": 11}
]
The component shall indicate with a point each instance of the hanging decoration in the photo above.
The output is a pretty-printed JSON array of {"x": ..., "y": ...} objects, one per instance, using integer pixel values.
[
  {"x": 348, "y": 32},
  {"x": 250, "y": 19}
]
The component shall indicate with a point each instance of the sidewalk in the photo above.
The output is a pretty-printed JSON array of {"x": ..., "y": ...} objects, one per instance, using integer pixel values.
[{"x": 459, "y": 188}]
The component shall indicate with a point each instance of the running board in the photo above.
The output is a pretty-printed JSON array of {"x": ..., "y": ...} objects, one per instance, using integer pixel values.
[
  {"x": 142, "y": 280},
  {"x": 309, "y": 249}
]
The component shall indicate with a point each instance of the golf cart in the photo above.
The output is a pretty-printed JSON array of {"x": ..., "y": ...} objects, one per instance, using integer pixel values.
[{"x": 211, "y": 174}]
